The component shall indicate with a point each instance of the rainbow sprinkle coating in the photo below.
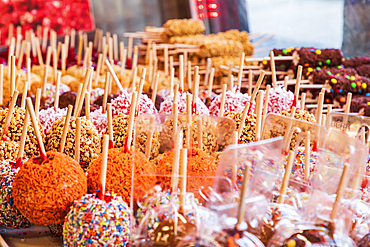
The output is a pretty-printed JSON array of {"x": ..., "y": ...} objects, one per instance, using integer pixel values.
[
  {"x": 94, "y": 222},
  {"x": 9, "y": 215}
]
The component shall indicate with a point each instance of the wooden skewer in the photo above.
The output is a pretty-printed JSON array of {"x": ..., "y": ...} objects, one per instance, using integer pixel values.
[
  {"x": 10, "y": 32},
  {"x": 56, "y": 101},
  {"x": 59, "y": 48},
  {"x": 77, "y": 139},
  {"x": 55, "y": 63},
  {"x": 240, "y": 74},
  {"x": 288, "y": 171},
  {"x": 154, "y": 72},
  {"x": 231, "y": 83},
  {"x": 65, "y": 129},
  {"x": 223, "y": 96},
  {"x": 140, "y": 91},
  {"x": 114, "y": 76},
  {"x": 319, "y": 108},
  {"x": 243, "y": 196},
  {"x": 175, "y": 113},
  {"x": 150, "y": 69},
  {"x": 323, "y": 119},
  {"x": 210, "y": 84},
  {"x": 273, "y": 71},
  {"x": 39, "y": 54},
  {"x": 21, "y": 54},
  {"x": 307, "y": 165},
  {"x": 9, "y": 115},
  {"x": 175, "y": 163},
  {"x": 110, "y": 48},
  {"x": 1, "y": 84},
  {"x": 79, "y": 90},
  {"x": 298, "y": 83},
  {"x": 340, "y": 191},
  {"x": 303, "y": 101},
  {"x": 29, "y": 73},
  {"x": 183, "y": 173},
  {"x": 181, "y": 73},
  {"x": 200, "y": 134},
  {"x": 259, "y": 114},
  {"x": 188, "y": 119},
  {"x": 103, "y": 172},
  {"x": 79, "y": 51},
  {"x": 250, "y": 82},
  {"x": 267, "y": 97},
  {"x": 131, "y": 120},
  {"x": 98, "y": 68},
  {"x": 166, "y": 60},
  {"x": 196, "y": 84},
  {"x": 64, "y": 58},
  {"x": 35, "y": 124},
  {"x": 208, "y": 68},
  {"x": 18, "y": 46},
  {"x": 82, "y": 94},
  {"x": 10, "y": 54},
  {"x": 286, "y": 79},
  {"x": 105, "y": 97},
  {"x": 45, "y": 80},
  {"x": 189, "y": 75},
  {"x": 123, "y": 61},
  {"x": 45, "y": 38},
  {"x": 22, "y": 143},
  {"x": 24, "y": 95},
  {"x": 134, "y": 78},
  {"x": 155, "y": 88},
  {"x": 287, "y": 136},
  {"x": 149, "y": 139},
  {"x": 172, "y": 78},
  {"x": 348, "y": 103},
  {"x": 115, "y": 47},
  {"x": 136, "y": 55},
  {"x": 110, "y": 125},
  {"x": 37, "y": 102},
  {"x": 48, "y": 56},
  {"x": 87, "y": 105},
  {"x": 12, "y": 75}
]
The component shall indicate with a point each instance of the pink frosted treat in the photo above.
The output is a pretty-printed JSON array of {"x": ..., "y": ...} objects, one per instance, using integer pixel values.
[
  {"x": 123, "y": 102},
  {"x": 234, "y": 101},
  {"x": 166, "y": 106},
  {"x": 279, "y": 100},
  {"x": 49, "y": 116},
  {"x": 99, "y": 120}
]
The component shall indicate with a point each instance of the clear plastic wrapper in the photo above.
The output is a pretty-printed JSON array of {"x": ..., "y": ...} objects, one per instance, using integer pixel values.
[
  {"x": 155, "y": 207},
  {"x": 278, "y": 125}
]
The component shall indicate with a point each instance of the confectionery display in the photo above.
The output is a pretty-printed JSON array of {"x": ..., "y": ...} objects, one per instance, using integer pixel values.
[{"x": 180, "y": 139}]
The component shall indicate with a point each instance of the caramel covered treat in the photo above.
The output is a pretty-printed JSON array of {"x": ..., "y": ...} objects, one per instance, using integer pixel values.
[
  {"x": 249, "y": 129},
  {"x": 90, "y": 145},
  {"x": 181, "y": 27}
]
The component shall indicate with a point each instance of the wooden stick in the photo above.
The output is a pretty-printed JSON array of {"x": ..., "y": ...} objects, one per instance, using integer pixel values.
[
  {"x": 35, "y": 124},
  {"x": 133, "y": 84},
  {"x": 45, "y": 38},
  {"x": 175, "y": 163},
  {"x": 181, "y": 73},
  {"x": 189, "y": 75},
  {"x": 267, "y": 97},
  {"x": 250, "y": 81},
  {"x": 59, "y": 48},
  {"x": 348, "y": 103},
  {"x": 22, "y": 143},
  {"x": 79, "y": 51},
  {"x": 48, "y": 56},
  {"x": 259, "y": 115},
  {"x": 98, "y": 68},
  {"x": 114, "y": 76},
  {"x": 115, "y": 47},
  {"x": 307, "y": 165},
  {"x": 150, "y": 67},
  {"x": 303, "y": 101},
  {"x": 288, "y": 171},
  {"x": 210, "y": 84},
  {"x": 140, "y": 91},
  {"x": 319, "y": 108},
  {"x": 110, "y": 125},
  {"x": 183, "y": 173},
  {"x": 200, "y": 133},
  {"x": 243, "y": 196},
  {"x": 18, "y": 46},
  {"x": 65, "y": 129},
  {"x": 298, "y": 83},
  {"x": 10, "y": 54},
  {"x": 196, "y": 84},
  {"x": 258, "y": 85},
  {"x": 323, "y": 119},
  {"x": 172, "y": 78},
  {"x": 21, "y": 54},
  {"x": 208, "y": 68},
  {"x": 110, "y": 48},
  {"x": 55, "y": 63},
  {"x": 12, "y": 75},
  {"x": 105, "y": 97},
  {"x": 45, "y": 80},
  {"x": 131, "y": 119},
  {"x": 188, "y": 119},
  {"x": 155, "y": 88},
  {"x": 28, "y": 50},
  {"x": 24, "y": 95},
  {"x": 85, "y": 61},
  {"x": 175, "y": 113},
  {"x": 82, "y": 94},
  {"x": 287, "y": 136},
  {"x": 123, "y": 60},
  {"x": 56, "y": 101},
  {"x": 79, "y": 90},
  {"x": 85, "y": 39},
  {"x": 149, "y": 139},
  {"x": 77, "y": 139},
  {"x": 87, "y": 105},
  {"x": 39, "y": 54},
  {"x": 64, "y": 58},
  {"x": 166, "y": 60},
  {"x": 130, "y": 44},
  {"x": 37, "y": 102},
  {"x": 28, "y": 73},
  {"x": 154, "y": 72},
  {"x": 103, "y": 171},
  {"x": 223, "y": 96},
  {"x": 136, "y": 55},
  {"x": 273, "y": 71},
  {"x": 10, "y": 32},
  {"x": 240, "y": 74},
  {"x": 286, "y": 79},
  {"x": 175, "y": 93},
  {"x": 1, "y": 84},
  {"x": 340, "y": 190},
  {"x": 9, "y": 115},
  {"x": 231, "y": 83}
]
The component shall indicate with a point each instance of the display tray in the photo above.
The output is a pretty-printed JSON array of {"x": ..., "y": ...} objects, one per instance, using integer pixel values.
[{"x": 33, "y": 236}]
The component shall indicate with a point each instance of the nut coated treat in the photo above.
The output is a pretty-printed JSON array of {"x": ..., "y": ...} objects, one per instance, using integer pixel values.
[
  {"x": 180, "y": 27},
  {"x": 89, "y": 144},
  {"x": 15, "y": 131},
  {"x": 249, "y": 130}
]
